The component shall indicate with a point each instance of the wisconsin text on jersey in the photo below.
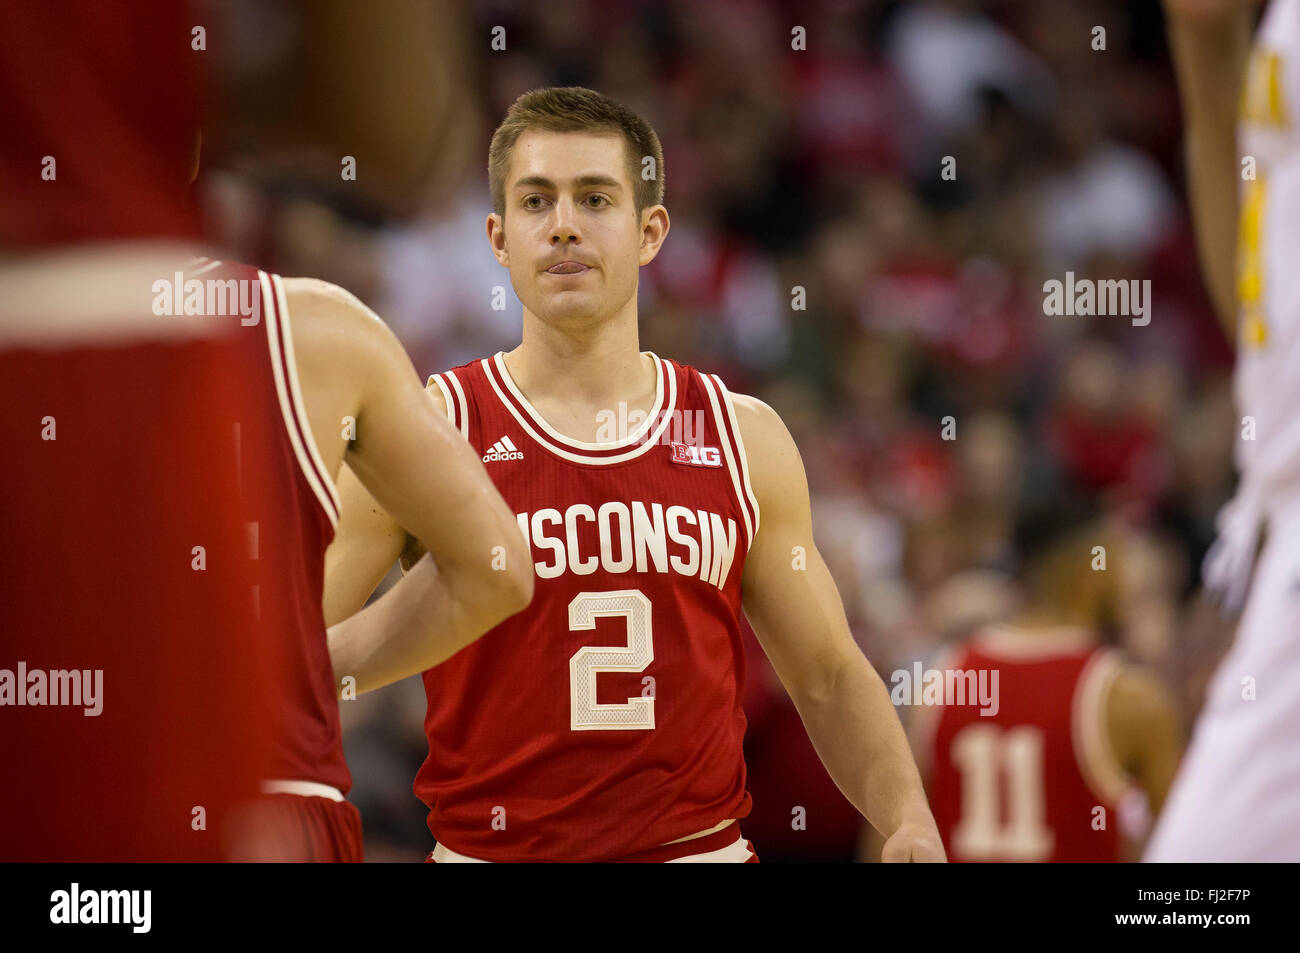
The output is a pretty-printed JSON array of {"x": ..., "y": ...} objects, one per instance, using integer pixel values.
[{"x": 632, "y": 537}]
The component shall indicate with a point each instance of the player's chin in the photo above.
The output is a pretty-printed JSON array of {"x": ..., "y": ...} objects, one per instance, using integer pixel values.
[{"x": 571, "y": 308}]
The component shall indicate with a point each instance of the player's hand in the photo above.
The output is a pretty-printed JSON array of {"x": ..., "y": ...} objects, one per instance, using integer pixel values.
[{"x": 916, "y": 841}]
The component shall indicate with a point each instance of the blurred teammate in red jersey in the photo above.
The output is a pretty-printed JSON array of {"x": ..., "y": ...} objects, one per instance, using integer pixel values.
[
  {"x": 1040, "y": 768},
  {"x": 604, "y": 723},
  {"x": 163, "y": 658}
]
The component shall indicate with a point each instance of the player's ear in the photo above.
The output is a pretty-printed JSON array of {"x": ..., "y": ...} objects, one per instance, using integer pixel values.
[
  {"x": 496, "y": 233},
  {"x": 654, "y": 229}
]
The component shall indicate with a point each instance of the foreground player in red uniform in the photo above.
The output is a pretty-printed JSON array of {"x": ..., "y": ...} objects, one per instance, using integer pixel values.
[
  {"x": 340, "y": 365},
  {"x": 604, "y": 722},
  {"x": 168, "y": 493},
  {"x": 1038, "y": 775}
]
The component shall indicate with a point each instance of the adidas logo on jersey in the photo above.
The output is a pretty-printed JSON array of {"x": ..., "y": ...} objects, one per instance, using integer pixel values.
[{"x": 503, "y": 449}]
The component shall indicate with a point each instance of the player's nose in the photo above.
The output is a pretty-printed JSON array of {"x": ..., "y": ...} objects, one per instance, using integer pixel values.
[{"x": 564, "y": 223}]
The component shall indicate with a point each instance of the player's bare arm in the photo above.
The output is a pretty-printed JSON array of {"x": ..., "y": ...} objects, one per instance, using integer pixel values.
[
  {"x": 1210, "y": 43},
  {"x": 795, "y": 609},
  {"x": 367, "y": 543},
  {"x": 365, "y": 546},
  {"x": 367, "y": 406},
  {"x": 1143, "y": 728}
]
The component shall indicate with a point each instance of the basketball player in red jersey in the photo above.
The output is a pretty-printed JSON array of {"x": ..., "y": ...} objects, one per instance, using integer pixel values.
[
  {"x": 1036, "y": 770},
  {"x": 339, "y": 363},
  {"x": 169, "y": 492},
  {"x": 604, "y": 722}
]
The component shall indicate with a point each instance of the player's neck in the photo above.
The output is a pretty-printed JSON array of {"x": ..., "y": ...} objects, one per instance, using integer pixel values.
[
  {"x": 596, "y": 366},
  {"x": 574, "y": 378}
]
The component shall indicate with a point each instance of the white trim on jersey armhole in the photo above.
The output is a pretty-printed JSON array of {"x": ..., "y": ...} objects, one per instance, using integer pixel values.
[
  {"x": 298, "y": 403},
  {"x": 1092, "y": 749},
  {"x": 735, "y": 461},
  {"x": 462, "y": 405},
  {"x": 729, "y": 457},
  {"x": 290, "y": 394},
  {"x": 740, "y": 448},
  {"x": 446, "y": 396}
]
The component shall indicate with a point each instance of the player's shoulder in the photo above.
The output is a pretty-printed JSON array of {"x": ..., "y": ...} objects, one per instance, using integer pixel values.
[
  {"x": 454, "y": 383},
  {"x": 333, "y": 326},
  {"x": 774, "y": 464},
  {"x": 313, "y": 298},
  {"x": 768, "y": 443},
  {"x": 757, "y": 421},
  {"x": 754, "y": 414}
]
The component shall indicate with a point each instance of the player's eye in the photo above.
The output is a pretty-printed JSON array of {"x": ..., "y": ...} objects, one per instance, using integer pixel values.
[
  {"x": 533, "y": 202},
  {"x": 597, "y": 200}
]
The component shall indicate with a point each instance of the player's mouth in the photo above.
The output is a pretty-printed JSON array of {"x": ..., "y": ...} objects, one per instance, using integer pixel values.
[{"x": 567, "y": 268}]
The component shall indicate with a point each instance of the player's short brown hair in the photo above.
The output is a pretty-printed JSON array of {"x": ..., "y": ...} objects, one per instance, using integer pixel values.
[{"x": 577, "y": 109}]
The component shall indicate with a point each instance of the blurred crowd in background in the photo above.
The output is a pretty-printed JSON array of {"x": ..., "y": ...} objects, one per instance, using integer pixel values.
[{"x": 820, "y": 169}]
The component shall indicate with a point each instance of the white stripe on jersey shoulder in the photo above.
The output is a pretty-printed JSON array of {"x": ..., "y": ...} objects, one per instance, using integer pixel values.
[
  {"x": 1092, "y": 749},
  {"x": 499, "y": 359},
  {"x": 462, "y": 405},
  {"x": 733, "y": 464},
  {"x": 290, "y": 394},
  {"x": 666, "y": 416},
  {"x": 450, "y": 409},
  {"x": 740, "y": 447}
]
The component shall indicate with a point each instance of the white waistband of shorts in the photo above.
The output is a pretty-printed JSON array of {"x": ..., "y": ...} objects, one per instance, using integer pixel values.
[
  {"x": 442, "y": 855},
  {"x": 302, "y": 788},
  {"x": 735, "y": 851}
]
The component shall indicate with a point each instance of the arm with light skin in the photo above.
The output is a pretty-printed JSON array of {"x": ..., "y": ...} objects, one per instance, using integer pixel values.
[
  {"x": 1210, "y": 44},
  {"x": 367, "y": 543},
  {"x": 418, "y": 468},
  {"x": 800, "y": 623}
]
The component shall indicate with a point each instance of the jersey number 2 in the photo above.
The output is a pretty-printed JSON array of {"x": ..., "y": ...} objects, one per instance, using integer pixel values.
[{"x": 585, "y": 713}]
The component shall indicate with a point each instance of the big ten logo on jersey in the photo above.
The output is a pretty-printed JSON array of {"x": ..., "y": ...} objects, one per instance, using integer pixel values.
[
  {"x": 619, "y": 537},
  {"x": 697, "y": 455}
]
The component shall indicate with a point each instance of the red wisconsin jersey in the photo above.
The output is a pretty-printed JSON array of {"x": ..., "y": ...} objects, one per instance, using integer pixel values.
[
  {"x": 605, "y": 719},
  {"x": 1024, "y": 783},
  {"x": 163, "y": 553},
  {"x": 294, "y": 528}
]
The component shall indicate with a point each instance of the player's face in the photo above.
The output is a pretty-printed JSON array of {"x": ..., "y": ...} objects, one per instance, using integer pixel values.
[{"x": 571, "y": 235}]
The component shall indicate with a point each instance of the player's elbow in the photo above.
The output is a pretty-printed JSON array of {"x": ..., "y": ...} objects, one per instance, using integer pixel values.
[
  {"x": 517, "y": 584},
  {"x": 506, "y": 586}
]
